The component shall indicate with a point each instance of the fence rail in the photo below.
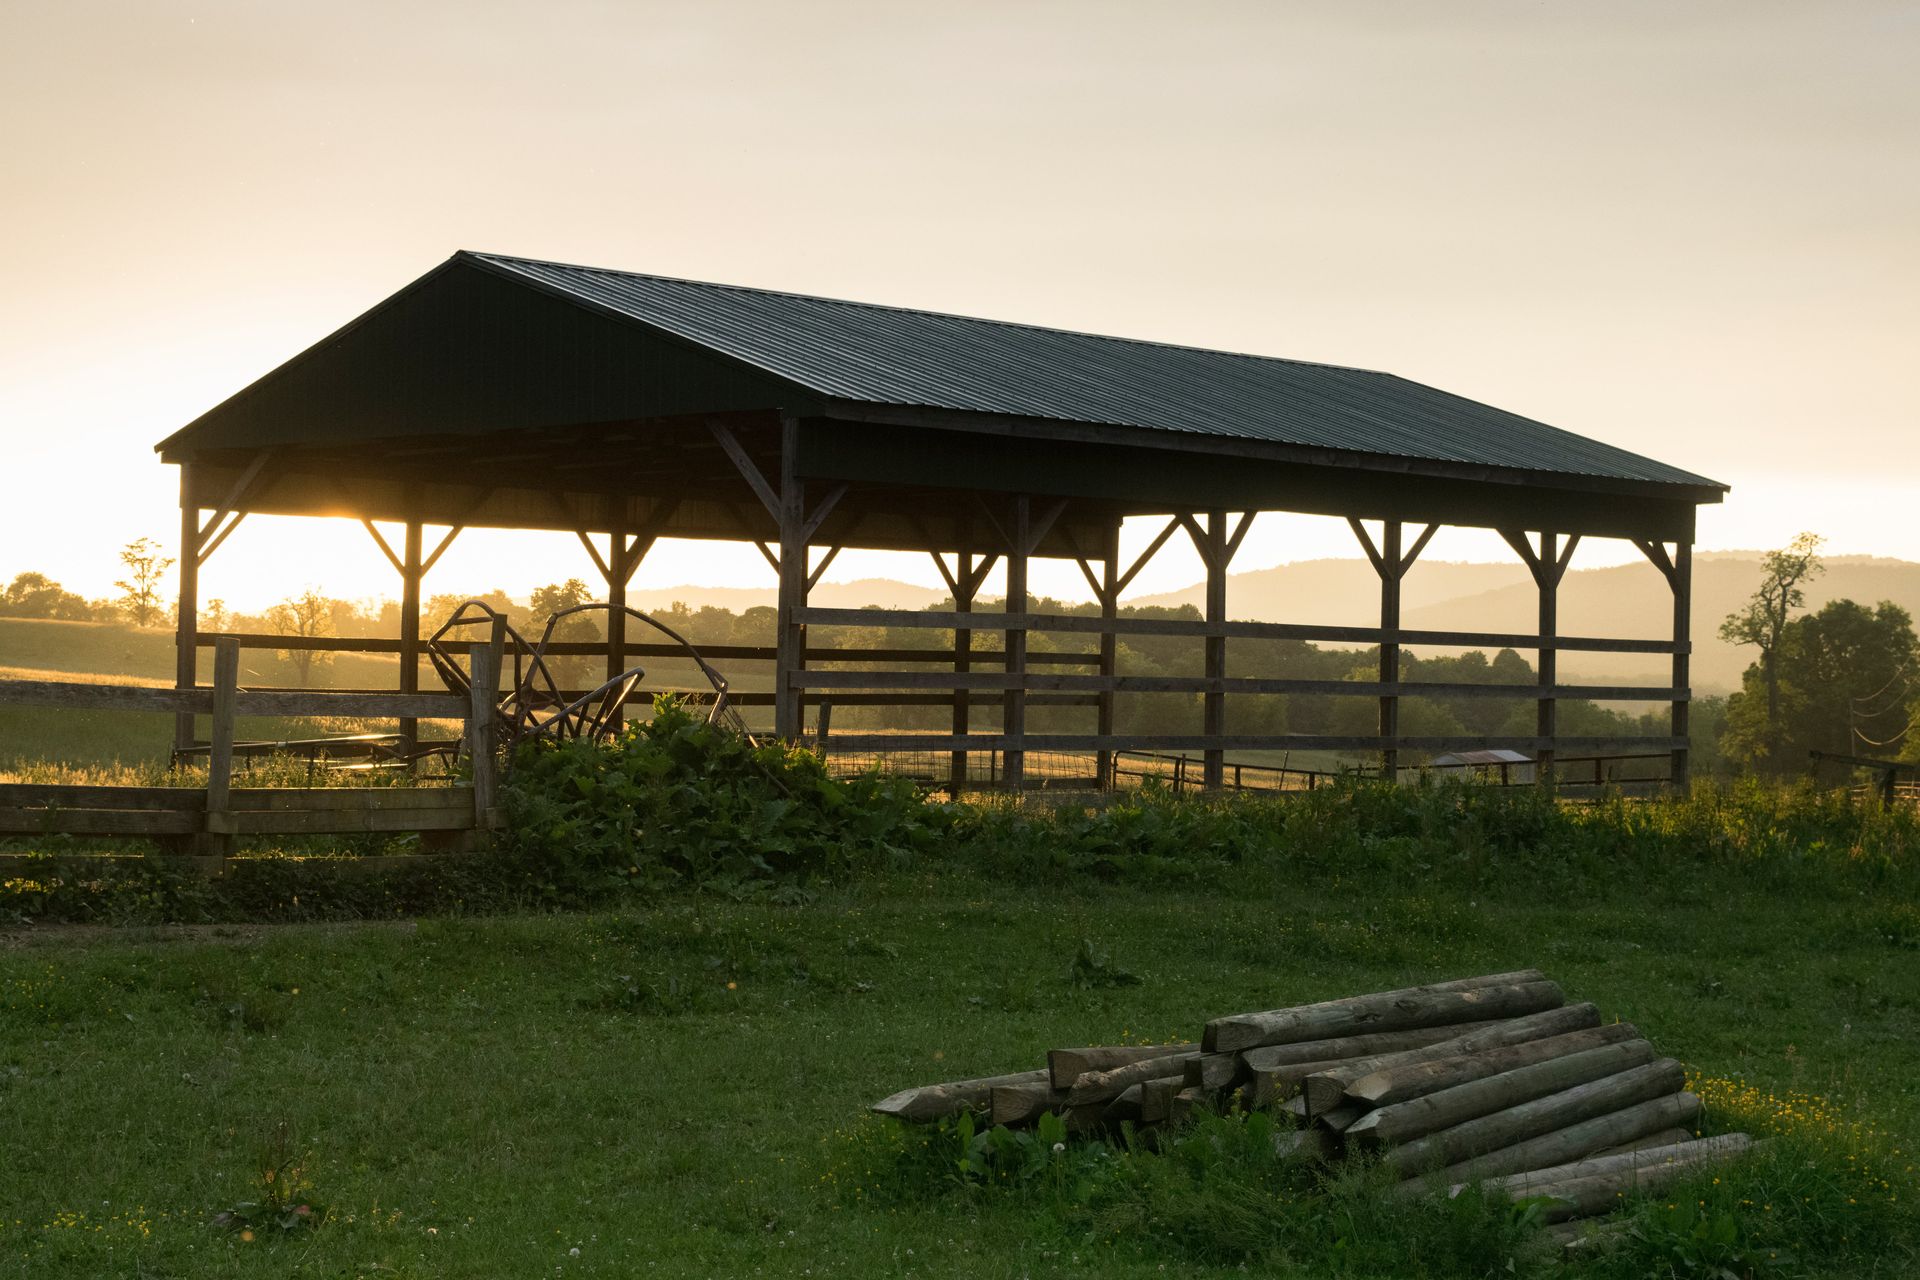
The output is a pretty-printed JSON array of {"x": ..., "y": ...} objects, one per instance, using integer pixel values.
[{"x": 205, "y": 820}]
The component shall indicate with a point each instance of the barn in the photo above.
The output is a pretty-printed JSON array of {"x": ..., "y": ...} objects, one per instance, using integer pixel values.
[{"x": 512, "y": 393}]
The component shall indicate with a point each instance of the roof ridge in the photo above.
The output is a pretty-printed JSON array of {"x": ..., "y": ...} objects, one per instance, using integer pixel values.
[{"x": 507, "y": 259}]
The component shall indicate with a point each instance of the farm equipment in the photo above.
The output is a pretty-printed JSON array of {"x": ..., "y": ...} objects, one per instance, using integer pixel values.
[{"x": 535, "y": 705}]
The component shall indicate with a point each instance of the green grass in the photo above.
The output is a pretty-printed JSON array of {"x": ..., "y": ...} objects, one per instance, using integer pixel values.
[{"x": 680, "y": 1090}]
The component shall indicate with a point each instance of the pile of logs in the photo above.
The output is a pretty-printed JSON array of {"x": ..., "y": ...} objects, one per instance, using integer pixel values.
[{"x": 1494, "y": 1080}]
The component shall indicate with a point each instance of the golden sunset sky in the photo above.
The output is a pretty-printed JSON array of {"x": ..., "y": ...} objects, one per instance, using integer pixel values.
[{"x": 1692, "y": 230}]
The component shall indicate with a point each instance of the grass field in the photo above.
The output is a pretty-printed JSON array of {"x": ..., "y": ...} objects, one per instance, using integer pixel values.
[{"x": 672, "y": 1091}]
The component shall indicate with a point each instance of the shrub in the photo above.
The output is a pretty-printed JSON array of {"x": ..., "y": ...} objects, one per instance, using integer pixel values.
[{"x": 675, "y": 801}]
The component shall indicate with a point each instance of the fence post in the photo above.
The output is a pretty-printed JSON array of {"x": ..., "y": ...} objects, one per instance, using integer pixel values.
[
  {"x": 226, "y": 685},
  {"x": 483, "y": 670}
]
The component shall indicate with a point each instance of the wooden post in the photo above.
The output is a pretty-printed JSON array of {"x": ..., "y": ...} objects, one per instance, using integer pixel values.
[
  {"x": 965, "y": 589},
  {"x": 1014, "y": 713},
  {"x": 483, "y": 670},
  {"x": 187, "y": 626},
  {"x": 1109, "y": 647},
  {"x": 1547, "y": 718},
  {"x": 410, "y": 575},
  {"x": 1214, "y": 701},
  {"x": 226, "y": 685},
  {"x": 790, "y": 647},
  {"x": 618, "y": 572},
  {"x": 1390, "y": 552},
  {"x": 1680, "y": 769}
]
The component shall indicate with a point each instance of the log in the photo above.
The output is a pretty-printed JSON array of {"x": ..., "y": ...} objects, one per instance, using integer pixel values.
[
  {"x": 1274, "y": 1056},
  {"x": 1392, "y": 1085},
  {"x": 1325, "y": 1089},
  {"x": 932, "y": 1101},
  {"x": 1264, "y": 1088},
  {"x": 1184, "y": 1103},
  {"x": 1664, "y": 1138},
  {"x": 1439, "y": 1004},
  {"x": 1017, "y": 1104},
  {"x": 1125, "y": 1107},
  {"x": 1341, "y": 1118},
  {"x": 1064, "y": 1066},
  {"x": 1584, "y": 1139},
  {"x": 1588, "y": 1197},
  {"x": 1417, "y": 1117},
  {"x": 1214, "y": 1070},
  {"x": 1691, "y": 1151},
  {"x": 1103, "y": 1086},
  {"x": 1156, "y": 1100},
  {"x": 1540, "y": 1116}
]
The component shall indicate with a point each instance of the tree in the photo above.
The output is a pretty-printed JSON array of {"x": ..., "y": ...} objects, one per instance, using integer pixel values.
[
  {"x": 308, "y": 615},
  {"x": 1762, "y": 622},
  {"x": 140, "y": 591},
  {"x": 573, "y": 672},
  {"x": 1846, "y": 677},
  {"x": 34, "y": 595},
  {"x": 215, "y": 616}
]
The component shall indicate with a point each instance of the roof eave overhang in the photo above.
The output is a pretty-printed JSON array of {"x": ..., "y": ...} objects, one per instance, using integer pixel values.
[{"x": 1707, "y": 491}]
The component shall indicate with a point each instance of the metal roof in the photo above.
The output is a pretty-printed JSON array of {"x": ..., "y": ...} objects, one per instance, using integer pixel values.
[{"x": 895, "y": 356}]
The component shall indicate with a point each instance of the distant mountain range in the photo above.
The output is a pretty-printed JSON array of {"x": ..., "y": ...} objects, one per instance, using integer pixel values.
[{"x": 1626, "y": 600}]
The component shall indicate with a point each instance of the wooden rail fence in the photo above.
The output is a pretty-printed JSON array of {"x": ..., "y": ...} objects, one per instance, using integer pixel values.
[{"x": 205, "y": 821}]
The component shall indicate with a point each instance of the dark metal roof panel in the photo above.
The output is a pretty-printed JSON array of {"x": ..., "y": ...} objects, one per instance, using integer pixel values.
[{"x": 895, "y": 356}]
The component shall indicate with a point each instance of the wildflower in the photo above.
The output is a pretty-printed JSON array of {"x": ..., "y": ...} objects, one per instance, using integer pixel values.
[
  {"x": 247, "y": 1236},
  {"x": 1058, "y": 1147},
  {"x": 732, "y": 986}
]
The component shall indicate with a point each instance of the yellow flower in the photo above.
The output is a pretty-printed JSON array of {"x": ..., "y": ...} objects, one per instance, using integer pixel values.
[
  {"x": 247, "y": 1236},
  {"x": 732, "y": 986}
]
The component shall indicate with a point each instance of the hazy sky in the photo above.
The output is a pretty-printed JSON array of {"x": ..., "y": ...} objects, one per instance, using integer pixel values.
[{"x": 1692, "y": 230}]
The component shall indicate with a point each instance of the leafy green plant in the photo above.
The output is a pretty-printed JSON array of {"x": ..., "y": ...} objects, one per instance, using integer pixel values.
[
  {"x": 286, "y": 1203},
  {"x": 674, "y": 800}
]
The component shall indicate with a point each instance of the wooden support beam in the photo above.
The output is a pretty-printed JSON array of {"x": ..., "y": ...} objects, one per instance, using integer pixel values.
[
  {"x": 483, "y": 691},
  {"x": 1419, "y": 545},
  {"x": 226, "y": 688},
  {"x": 209, "y": 545},
  {"x": 1213, "y": 706},
  {"x": 819, "y": 570},
  {"x": 749, "y": 470},
  {"x": 186, "y": 653},
  {"x": 1679, "y": 713},
  {"x": 1014, "y": 710},
  {"x": 791, "y": 511},
  {"x": 1107, "y": 591},
  {"x": 965, "y": 583},
  {"x": 617, "y": 573},
  {"x": 1547, "y": 719},
  {"x": 1388, "y": 563},
  {"x": 1140, "y": 562},
  {"x": 386, "y": 548},
  {"x": 410, "y": 575}
]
